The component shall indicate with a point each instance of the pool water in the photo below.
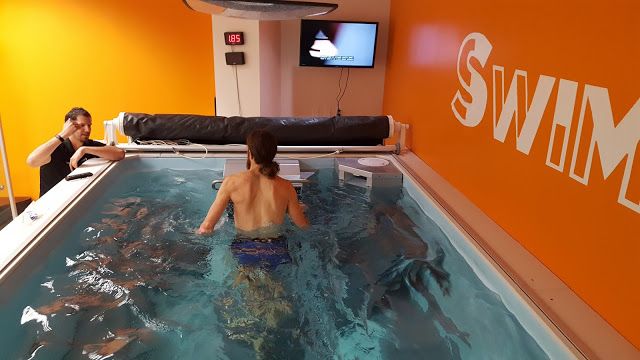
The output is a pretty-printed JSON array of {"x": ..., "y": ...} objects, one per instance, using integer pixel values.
[{"x": 374, "y": 278}]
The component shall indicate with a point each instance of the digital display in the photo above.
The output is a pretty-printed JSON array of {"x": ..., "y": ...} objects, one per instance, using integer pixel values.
[
  {"x": 234, "y": 38},
  {"x": 337, "y": 43}
]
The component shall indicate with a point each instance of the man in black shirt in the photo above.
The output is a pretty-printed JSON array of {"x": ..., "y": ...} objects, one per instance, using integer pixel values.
[{"x": 68, "y": 149}]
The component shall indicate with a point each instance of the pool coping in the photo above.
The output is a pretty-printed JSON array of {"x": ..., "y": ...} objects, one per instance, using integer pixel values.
[
  {"x": 571, "y": 317},
  {"x": 28, "y": 228}
]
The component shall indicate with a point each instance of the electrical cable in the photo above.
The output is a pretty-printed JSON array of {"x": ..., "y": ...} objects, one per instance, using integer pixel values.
[
  {"x": 310, "y": 157},
  {"x": 342, "y": 91},
  {"x": 235, "y": 70},
  {"x": 184, "y": 142},
  {"x": 206, "y": 151},
  {"x": 346, "y": 84},
  {"x": 339, "y": 92},
  {"x": 173, "y": 143}
]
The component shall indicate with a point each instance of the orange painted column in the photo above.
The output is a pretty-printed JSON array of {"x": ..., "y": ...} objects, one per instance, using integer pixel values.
[{"x": 491, "y": 90}]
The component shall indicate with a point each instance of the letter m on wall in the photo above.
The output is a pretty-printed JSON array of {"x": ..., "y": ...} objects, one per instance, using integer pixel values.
[{"x": 614, "y": 142}]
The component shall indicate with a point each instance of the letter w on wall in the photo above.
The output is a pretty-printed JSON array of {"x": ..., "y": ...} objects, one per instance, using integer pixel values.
[{"x": 511, "y": 108}]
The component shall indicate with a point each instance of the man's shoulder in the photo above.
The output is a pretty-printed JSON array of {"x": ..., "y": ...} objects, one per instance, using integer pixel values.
[
  {"x": 235, "y": 179},
  {"x": 283, "y": 183},
  {"x": 236, "y": 176}
]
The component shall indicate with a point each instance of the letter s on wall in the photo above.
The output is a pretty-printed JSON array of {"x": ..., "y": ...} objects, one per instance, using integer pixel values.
[{"x": 476, "y": 86}]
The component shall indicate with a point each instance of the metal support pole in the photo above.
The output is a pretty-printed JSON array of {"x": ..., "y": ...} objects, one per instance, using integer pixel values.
[{"x": 7, "y": 176}]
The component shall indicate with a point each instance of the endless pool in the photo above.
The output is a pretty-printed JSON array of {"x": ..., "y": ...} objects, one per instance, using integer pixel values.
[{"x": 383, "y": 273}]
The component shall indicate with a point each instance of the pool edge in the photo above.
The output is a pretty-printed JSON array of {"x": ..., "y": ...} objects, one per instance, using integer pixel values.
[{"x": 585, "y": 330}]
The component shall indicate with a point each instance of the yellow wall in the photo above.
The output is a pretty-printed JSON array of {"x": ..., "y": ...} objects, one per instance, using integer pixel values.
[
  {"x": 581, "y": 232},
  {"x": 105, "y": 55}
]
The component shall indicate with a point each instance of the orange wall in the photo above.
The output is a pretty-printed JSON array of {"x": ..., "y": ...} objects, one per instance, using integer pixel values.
[
  {"x": 580, "y": 232},
  {"x": 105, "y": 55}
]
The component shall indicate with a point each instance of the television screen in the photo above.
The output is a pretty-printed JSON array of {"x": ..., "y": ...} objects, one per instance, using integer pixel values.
[{"x": 337, "y": 43}]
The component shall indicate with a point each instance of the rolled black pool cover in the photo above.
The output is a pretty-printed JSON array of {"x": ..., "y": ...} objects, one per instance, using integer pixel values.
[{"x": 290, "y": 131}]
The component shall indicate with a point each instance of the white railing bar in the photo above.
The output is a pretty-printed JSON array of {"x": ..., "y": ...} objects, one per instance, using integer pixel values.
[{"x": 7, "y": 175}]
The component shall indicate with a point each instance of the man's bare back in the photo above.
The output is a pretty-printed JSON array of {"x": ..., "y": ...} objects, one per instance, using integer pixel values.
[{"x": 259, "y": 200}]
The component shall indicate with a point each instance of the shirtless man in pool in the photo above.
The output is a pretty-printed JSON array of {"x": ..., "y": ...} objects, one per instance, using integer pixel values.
[{"x": 260, "y": 197}]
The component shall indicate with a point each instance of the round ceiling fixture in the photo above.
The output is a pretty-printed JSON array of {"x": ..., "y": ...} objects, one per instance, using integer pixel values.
[{"x": 261, "y": 9}]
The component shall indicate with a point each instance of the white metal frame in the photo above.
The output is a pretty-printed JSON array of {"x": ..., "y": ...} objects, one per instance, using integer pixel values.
[{"x": 7, "y": 174}]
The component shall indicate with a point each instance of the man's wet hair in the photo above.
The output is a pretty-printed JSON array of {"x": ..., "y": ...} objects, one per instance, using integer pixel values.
[
  {"x": 75, "y": 112},
  {"x": 263, "y": 147}
]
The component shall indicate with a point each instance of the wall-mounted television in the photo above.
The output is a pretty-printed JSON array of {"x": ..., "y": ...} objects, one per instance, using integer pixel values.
[{"x": 327, "y": 43}]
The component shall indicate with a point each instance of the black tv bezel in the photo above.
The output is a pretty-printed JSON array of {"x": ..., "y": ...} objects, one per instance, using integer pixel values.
[{"x": 375, "y": 45}]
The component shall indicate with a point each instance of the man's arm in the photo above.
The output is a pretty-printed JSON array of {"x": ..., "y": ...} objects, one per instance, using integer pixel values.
[
  {"x": 295, "y": 210},
  {"x": 105, "y": 152},
  {"x": 217, "y": 208},
  {"x": 42, "y": 154}
]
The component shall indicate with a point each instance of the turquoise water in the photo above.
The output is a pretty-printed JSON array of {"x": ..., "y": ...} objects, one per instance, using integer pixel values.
[{"x": 374, "y": 278}]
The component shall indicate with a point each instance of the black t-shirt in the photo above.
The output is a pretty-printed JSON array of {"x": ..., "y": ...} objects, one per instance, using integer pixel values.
[{"x": 56, "y": 170}]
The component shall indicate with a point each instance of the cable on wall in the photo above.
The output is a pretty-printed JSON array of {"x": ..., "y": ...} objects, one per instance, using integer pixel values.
[
  {"x": 235, "y": 70},
  {"x": 341, "y": 91},
  {"x": 235, "y": 73}
]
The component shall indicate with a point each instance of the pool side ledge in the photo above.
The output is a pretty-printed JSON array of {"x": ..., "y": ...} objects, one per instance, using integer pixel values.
[
  {"x": 23, "y": 233},
  {"x": 584, "y": 327}
]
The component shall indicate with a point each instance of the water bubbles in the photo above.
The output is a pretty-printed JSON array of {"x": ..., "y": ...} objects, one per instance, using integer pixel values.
[
  {"x": 29, "y": 314},
  {"x": 49, "y": 285}
]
